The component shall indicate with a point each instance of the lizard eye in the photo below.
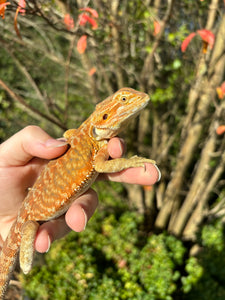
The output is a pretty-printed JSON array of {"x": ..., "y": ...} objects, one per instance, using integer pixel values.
[
  {"x": 105, "y": 116},
  {"x": 124, "y": 98}
]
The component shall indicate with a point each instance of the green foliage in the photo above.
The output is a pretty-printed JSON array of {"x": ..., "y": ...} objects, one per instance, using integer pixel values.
[
  {"x": 158, "y": 261},
  {"x": 194, "y": 274},
  {"x": 115, "y": 258},
  {"x": 163, "y": 95},
  {"x": 206, "y": 273},
  {"x": 112, "y": 259}
]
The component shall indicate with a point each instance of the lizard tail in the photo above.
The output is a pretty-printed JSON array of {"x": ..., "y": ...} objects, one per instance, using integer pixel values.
[{"x": 8, "y": 258}]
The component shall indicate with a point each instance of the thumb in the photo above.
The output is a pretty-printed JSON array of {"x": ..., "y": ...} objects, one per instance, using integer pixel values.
[{"x": 29, "y": 142}]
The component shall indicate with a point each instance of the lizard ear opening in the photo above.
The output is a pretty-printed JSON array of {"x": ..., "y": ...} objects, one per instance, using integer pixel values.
[{"x": 94, "y": 133}]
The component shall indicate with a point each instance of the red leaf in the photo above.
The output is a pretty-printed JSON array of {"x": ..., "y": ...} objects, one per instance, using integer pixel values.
[
  {"x": 92, "y": 11},
  {"x": 223, "y": 87},
  {"x": 207, "y": 36},
  {"x": 93, "y": 23},
  {"x": 187, "y": 41},
  {"x": 84, "y": 18},
  {"x": 92, "y": 71},
  {"x": 82, "y": 44},
  {"x": 68, "y": 21},
  {"x": 157, "y": 27},
  {"x": 22, "y": 5},
  {"x": 148, "y": 188},
  {"x": 221, "y": 90},
  {"x": 220, "y": 130},
  {"x": 3, "y": 5}
]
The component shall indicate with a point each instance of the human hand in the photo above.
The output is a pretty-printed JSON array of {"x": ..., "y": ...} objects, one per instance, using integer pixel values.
[{"x": 21, "y": 159}]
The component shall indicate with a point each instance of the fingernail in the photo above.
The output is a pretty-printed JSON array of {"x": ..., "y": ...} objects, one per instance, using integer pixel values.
[
  {"x": 85, "y": 218},
  {"x": 122, "y": 146},
  {"x": 49, "y": 244},
  {"x": 51, "y": 143},
  {"x": 159, "y": 173},
  {"x": 62, "y": 139}
]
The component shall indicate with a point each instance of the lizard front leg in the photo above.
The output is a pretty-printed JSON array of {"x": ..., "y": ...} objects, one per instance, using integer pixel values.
[
  {"x": 28, "y": 234},
  {"x": 103, "y": 165}
]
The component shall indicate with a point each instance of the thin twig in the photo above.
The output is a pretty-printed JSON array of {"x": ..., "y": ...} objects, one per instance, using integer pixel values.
[{"x": 19, "y": 99}]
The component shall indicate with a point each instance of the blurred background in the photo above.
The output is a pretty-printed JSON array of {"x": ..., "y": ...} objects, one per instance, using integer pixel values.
[{"x": 58, "y": 59}]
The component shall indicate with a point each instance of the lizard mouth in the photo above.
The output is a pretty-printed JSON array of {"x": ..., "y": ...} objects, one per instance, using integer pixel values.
[{"x": 142, "y": 105}]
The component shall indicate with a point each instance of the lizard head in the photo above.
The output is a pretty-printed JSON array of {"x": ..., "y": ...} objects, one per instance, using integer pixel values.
[{"x": 112, "y": 114}]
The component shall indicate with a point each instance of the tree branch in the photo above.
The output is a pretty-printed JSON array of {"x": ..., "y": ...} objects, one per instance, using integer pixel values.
[
  {"x": 19, "y": 99},
  {"x": 197, "y": 215},
  {"x": 186, "y": 153},
  {"x": 149, "y": 61}
]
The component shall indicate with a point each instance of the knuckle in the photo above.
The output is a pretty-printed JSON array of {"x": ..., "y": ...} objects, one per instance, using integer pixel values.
[{"x": 31, "y": 129}]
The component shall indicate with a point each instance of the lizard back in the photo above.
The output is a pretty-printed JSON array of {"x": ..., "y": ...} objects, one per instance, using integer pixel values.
[{"x": 63, "y": 179}]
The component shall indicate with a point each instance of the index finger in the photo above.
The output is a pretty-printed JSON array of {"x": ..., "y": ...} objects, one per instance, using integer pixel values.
[
  {"x": 143, "y": 176},
  {"x": 29, "y": 142}
]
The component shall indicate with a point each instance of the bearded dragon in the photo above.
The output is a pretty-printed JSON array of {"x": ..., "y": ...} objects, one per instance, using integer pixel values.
[{"x": 64, "y": 179}]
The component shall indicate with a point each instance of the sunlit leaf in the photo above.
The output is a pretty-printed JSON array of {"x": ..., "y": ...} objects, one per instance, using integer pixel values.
[
  {"x": 207, "y": 36},
  {"x": 92, "y": 11},
  {"x": 148, "y": 188},
  {"x": 221, "y": 90},
  {"x": 157, "y": 27},
  {"x": 223, "y": 87},
  {"x": 68, "y": 21},
  {"x": 22, "y": 5},
  {"x": 93, "y": 23},
  {"x": 82, "y": 44},
  {"x": 220, "y": 130},
  {"x": 187, "y": 41},
  {"x": 176, "y": 64},
  {"x": 92, "y": 71},
  {"x": 84, "y": 18}
]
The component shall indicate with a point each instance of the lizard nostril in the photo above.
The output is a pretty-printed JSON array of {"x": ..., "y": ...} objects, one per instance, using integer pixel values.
[{"x": 105, "y": 116}]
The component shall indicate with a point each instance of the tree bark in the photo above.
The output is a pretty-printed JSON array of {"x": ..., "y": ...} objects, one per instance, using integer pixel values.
[{"x": 207, "y": 87}]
